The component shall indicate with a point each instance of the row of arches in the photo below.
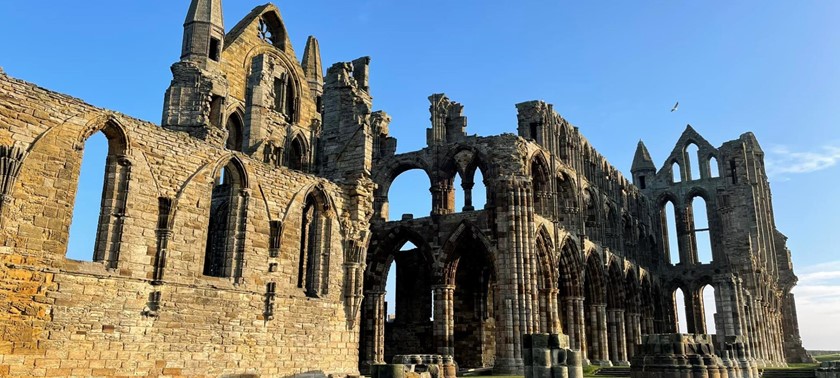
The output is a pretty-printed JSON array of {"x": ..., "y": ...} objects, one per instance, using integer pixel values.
[
  {"x": 705, "y": 166},
  {"x": 687, "y": 228},
  {"x": 223, "y": 254},
  {"x": 452, "y": 296}
]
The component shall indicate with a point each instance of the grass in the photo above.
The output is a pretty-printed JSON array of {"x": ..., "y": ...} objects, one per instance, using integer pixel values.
[{"x": 828, "y": 357}]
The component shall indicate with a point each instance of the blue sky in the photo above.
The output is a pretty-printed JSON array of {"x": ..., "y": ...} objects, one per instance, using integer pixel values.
[{"x": 612, "y": 68}]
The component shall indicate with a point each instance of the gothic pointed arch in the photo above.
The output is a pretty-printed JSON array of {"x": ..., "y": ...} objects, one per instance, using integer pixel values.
[
  {"x": 227, "y": 219},
  {"x": 298, "y": 153},
  {"x": 465, "y": 235},
  {"x": 315, "y": 232},
  {"x": 616, "y": 295},
  {"x": 570, "y": 270},
  {"x": 235, "y": 127},
  {"x": 540, "y": 184},
  {"x": 116, "y": 170}
]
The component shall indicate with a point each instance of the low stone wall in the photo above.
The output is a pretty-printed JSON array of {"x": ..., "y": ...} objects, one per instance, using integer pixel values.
[
  {"x": 683, "y": 355},
  {"x": 829, "y": 369},
  {"x": 416, "y": 366},
  {"x": 548, "y": 356}
]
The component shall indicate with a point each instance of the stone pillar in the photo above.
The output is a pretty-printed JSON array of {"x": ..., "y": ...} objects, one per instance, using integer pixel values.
[
  {"x": 443, "y": 326},
  {"x": 694, "y": 312},
  {"x": 794, "y": 352},
  {"x": 380, "y": 210},
  {"x": 684, "y": 238},
  {"x": 374, "y": 309},
  {"x": 467, "y": 186},
  {"x": 573, "y": 308},
  {"x": 618, "y": 337},
  {"x": 754, "y": 335},
  {"x": 548, "y": 299},
  {"x": 516, "y": 278},
  {"x": 603, "y": 339}
]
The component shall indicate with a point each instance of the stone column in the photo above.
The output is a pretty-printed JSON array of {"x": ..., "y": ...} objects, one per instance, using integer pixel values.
[
  {"x": 443, "y": 326},
  {"x": 573, "y": 308},
  {"x": 516, "y": 277},
  {"x": 684, "y": 238},
  {"x": 694, "y": 312},
  {"x": 548, "y": 300},
  {"x": 634, "y": 332},
  {"x": 374, "y": 309},
  {"x": 618, "y": 337},
  {"x": 468, "y": 186},
  {"x": 442, "y": 198},
  {"x": 603, "y": 339}
]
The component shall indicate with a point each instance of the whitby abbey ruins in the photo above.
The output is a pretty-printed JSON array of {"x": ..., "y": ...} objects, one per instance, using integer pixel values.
[{"x": 248, "y": 234}]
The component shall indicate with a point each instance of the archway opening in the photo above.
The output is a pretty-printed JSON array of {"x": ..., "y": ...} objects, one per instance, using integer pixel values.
[
  {"x": 709, "y": 308},
  {"x": 669, "y": 232},
  {"x": 474, "y": 322},
  {"x": 297, "y": 155},
  {"x": 408, "y": 296},
  {"x": 713, "y": 167},
  {"x": 679, "y": 311},
  {"x": 227, "y": 214},
  {"x": 692, "y": 160},
  {"x": 235, "y": 133},
  {"x": 540, "y": 190},
  {"x": 595, "y": 311},
  {"x": 675, "y": 172},
  {"x": 470, "y": 194},
  {"x": 409, "y": 194},
  {"x": 85, "y": 222},
  {"x": 702, "y": 233}
]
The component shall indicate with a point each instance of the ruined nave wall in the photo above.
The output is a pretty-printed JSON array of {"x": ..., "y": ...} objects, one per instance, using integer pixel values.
[{"x": 60, "y": 317}]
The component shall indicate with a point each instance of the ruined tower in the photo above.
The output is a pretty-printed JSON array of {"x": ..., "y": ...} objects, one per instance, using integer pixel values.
[{"x": 196, "y": 99}]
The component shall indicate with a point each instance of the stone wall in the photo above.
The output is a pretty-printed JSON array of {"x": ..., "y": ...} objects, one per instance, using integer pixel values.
[{"x": 114, "y": 318}]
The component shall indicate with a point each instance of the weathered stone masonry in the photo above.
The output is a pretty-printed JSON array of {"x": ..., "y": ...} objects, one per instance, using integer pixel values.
[
  {"x": 223, "y": 246},
  {"x": 248, "y": 234}
]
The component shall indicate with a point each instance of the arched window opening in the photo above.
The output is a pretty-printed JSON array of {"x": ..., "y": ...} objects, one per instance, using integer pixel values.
[
  {"x": 669, "y": 234},
  {"x": 713, "y": 167},
  {"x": 235, "y": 133},
  {"x": 676, "y": 176},
  {"x": 479, "y": 190},
  {"x": 541, "y": 192},
  {"x": 391, "y": 294},
  {"x": 270, "y": 29},
  {"x": 408, "y": 293},
  {"x": 290, "y": 107},
  {"x": 391, "y": 284},
  {"x": 315, "y": 240},
  {"x": 473, "y": 299},
  {"x": 595, "y": 303},
  {"x": 84, "y": 226},
  {"x": 104, "y": 176},
  {"x": 709, "y": 308},
  {"x": 226, "y": 223},
  {"x": 285, "y": 98},
  {"x": 692, "y": 161},
  {"x": 679, "y": 311},
  {"x": 701, "y": 231},
  {"x": 217, "y": 104},
  {"x": 297, "y": 155},
  {"x": 466, "y": 190},
  {"x": 567, "y": 201},
  {"x": 409, "y": 196}
]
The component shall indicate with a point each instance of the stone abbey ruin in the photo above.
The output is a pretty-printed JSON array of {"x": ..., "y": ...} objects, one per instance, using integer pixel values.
[{"x": 248, "y": 234}]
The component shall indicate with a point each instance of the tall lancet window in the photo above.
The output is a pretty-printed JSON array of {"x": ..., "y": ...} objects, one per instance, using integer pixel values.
[
  {"x": 226, "y": 223},
  {"x": 313, "y": 266}
]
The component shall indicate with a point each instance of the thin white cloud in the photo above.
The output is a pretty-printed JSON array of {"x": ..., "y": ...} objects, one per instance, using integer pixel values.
[
  {"x": 818, "y": 304},
  {"x": 781, "y": 160}
]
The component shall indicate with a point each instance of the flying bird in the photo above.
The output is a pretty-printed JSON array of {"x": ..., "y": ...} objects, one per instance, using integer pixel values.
[{"x": 677, "y": 105}]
